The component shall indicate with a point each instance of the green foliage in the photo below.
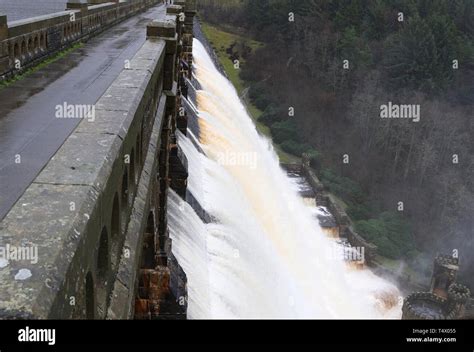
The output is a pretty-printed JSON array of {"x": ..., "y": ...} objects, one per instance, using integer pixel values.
[
  {"x": 295, "y": 148},
  {"x": 420, "y": 55},
  {"x": 447, "y": 47},
  {"x": 378, "y": 21},
  {"x": 224, "y": 42},
  {"x": 314, "y": 158},
  {"x": 258, "y": 96},
  {"x": 347, "y": 13},
  {"x": 271, "y": 115},
  {"x": 258, "y": 13},
  {"x": 351, "y": 47},
  {"x": 390, "y": 233},
  {"x": 359, "y": 211},
  {"x": 343, "y": 187},
  {"x": 411, "y": 55},
  {"x": 284, "y": 130}
]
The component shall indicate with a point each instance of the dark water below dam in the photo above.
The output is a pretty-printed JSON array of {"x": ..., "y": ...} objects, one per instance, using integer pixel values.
[{"x": 20, "y": 9}]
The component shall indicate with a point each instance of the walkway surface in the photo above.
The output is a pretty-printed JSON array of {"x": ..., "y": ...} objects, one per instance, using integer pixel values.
[{"x": 29, "y": 131}]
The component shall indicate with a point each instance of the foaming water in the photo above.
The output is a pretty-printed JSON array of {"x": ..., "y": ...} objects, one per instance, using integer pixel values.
[{"x": 264, "y": 255}]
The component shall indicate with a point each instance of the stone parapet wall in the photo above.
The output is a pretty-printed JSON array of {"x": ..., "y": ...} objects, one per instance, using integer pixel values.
[
  {"x": 24, "y": 43},
  {"x": 77, "y": 211},
  {"x": 97, "y": 212},
  {"x": 343, "y": 221}
]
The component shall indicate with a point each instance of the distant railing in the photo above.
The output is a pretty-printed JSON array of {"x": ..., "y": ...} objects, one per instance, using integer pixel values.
[{"x": 25, "y": 42}]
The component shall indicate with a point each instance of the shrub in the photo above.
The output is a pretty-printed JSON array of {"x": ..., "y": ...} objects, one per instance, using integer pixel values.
[
  {"x": 270, "y": 115},
  {"x": 283, "y": 131},
  {"x": 390, "y": 233},
  {"x": 314, "y": 158},
  {"x": 258, "y": 97},
  {"x": 295, "y": 148},
  {"x": 374, "y": 231},
  {"x": 343, "y": 187},
  {"x": 358, "y": 211}
]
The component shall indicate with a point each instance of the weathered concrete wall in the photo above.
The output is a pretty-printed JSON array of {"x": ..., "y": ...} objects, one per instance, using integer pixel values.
[
  {"x": 25, "y": 42},
  {"x": 97, "y": 211}
]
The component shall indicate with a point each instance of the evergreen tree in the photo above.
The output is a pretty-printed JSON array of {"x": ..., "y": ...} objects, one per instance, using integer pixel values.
[{"x": 411, "y": 57}]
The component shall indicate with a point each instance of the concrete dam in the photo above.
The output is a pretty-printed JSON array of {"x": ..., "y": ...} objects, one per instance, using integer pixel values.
[{"x": 138, "y": 187}]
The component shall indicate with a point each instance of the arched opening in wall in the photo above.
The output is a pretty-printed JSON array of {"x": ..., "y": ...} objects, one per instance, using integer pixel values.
[
  {"x": 42, "y": 41},
  {"x": 115, "y": 228},
  {"x": 103, "y": 268},
  {"x": 138, "y": 146},
  {"x": 124, "y": 198},
  {"x": 16, "y": 50},
  {"x": 64, "y": 32},
  {"x": 149, "y": 246},
  {"x": 103, "y": 256},
  {"x": 115, "y": 217},
  {"x": 23, "y": 48},
  {"x": 132, "y": 168},
  {"x": 90, "y": 297},
  {"x": 125, "y": 189},
  {"x": 36, "y": 43},
  {"x": 30, "y": 45}
]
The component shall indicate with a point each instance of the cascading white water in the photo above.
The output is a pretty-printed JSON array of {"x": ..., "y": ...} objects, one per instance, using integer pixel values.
[{"x": 264, "y": 255}]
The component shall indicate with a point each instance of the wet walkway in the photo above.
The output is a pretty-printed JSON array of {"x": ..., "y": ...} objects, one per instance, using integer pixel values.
[{"x": 30, "y": 134}]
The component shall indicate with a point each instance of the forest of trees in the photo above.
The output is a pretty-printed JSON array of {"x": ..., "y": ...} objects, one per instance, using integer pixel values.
[{"x": 409, "y": 186}]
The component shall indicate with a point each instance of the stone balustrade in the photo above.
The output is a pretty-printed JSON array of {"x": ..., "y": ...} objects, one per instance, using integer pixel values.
[{"x": 24, "y": 43}]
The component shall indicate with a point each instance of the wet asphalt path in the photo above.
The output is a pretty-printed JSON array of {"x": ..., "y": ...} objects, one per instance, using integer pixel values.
[{"x": 28, "y": 126}]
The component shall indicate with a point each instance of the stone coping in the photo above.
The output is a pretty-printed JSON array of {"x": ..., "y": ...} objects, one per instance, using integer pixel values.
[{"x": 51, "y": 16}]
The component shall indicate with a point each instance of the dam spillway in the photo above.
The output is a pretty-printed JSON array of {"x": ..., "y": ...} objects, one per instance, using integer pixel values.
[{"x": 261, "y": 254}]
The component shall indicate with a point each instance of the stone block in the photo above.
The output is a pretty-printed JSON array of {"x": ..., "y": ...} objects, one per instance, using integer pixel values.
[
  {"x": 3, "y": 27},
  {"x": 164, "y": 29},
  {"x": 174, "y": 10},
  {"x": 76, "y": 5},
  {"x": 191, "y": 5}
]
